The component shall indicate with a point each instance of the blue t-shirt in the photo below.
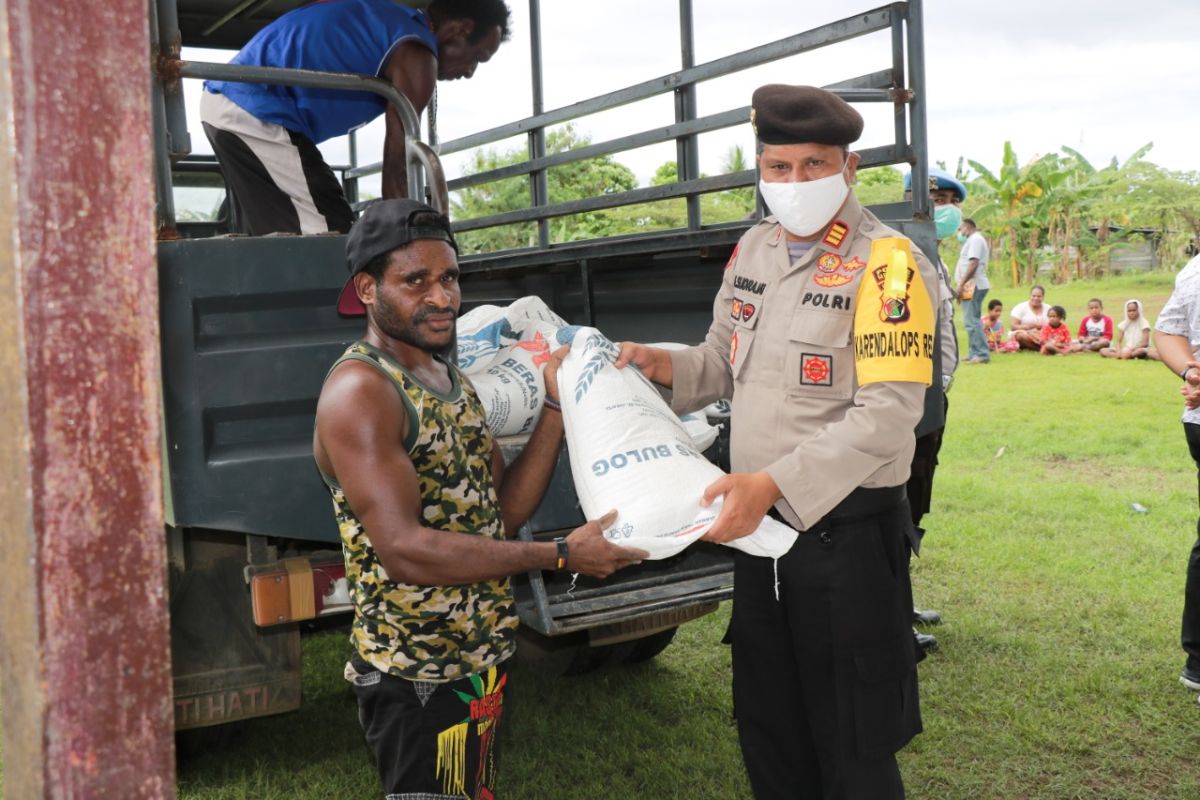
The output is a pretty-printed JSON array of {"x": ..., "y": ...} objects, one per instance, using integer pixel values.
[{"x": 332, "y": 36}]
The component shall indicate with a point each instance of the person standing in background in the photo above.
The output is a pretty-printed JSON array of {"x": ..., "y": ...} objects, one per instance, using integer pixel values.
[
  {"x": 971, "y": 286},
  {"x": 947, "y": 194},
  {"x": 1178, "y": 339}
]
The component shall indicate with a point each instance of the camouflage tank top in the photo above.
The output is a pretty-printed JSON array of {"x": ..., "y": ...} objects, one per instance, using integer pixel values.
[{"x": 431, "y": 633}]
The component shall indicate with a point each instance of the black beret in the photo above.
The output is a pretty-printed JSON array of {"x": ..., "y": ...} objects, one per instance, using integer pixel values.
[{"x": 782, "y": 114}]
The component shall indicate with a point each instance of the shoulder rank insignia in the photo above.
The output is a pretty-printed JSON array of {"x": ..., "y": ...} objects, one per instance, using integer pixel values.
[{"x": 836, "y": 233}]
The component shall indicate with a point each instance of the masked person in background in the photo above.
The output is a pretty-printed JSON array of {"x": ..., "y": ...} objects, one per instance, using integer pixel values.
[
  {"x": 946, "y": 193},
  {"x": 823, "y": 336}
]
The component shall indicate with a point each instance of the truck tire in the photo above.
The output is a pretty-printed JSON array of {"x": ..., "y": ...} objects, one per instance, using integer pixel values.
[{"x": 649, "y": 647}]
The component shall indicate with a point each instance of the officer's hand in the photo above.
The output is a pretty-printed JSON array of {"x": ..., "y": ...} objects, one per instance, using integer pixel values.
[
  {"x": 590, "y": 553},
  {"x": 748, "y": 498},
  {"x": 654, "y": 362},
  {"x": 550, "y": 371}
]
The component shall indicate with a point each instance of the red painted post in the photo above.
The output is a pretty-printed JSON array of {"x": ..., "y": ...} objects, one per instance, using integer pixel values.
[{"x": 85, "y": 657}]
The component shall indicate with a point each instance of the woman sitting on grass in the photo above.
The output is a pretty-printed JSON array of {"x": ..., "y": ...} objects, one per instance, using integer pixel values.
[
  {"x": 1133, "y": 335},
  {"x": 1028, "y": 319},
  {"x": 1056, "y": 336}
]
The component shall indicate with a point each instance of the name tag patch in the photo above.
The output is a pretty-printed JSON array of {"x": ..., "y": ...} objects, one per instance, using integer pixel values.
[
  {"x": 816, "y": 369},
  {"x": 744, "y": 284}
]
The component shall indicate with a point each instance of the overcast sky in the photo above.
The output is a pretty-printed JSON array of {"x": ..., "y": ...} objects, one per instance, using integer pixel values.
[{"x": 1101, "y": 76}]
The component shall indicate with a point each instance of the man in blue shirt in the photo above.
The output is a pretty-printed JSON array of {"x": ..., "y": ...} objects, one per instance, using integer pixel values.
[{"x": 265, "y": 136}]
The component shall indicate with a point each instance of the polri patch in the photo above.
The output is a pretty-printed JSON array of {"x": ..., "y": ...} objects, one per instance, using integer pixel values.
[
  {"x": 837, "y": 232},
  {"x": 748, "y": 310},
  {"x": 816, "y": 369}
]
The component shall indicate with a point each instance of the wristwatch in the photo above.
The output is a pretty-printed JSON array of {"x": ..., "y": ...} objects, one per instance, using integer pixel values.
[{"x": 560, "y": 560}]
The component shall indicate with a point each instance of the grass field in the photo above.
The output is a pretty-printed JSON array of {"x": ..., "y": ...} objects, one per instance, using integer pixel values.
[{"x": 1057, "y": 673}]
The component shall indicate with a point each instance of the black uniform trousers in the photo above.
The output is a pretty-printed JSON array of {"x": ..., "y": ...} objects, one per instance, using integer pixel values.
[
  {"x": 1190, "y": 637},
  {"x": 824, "y": 678}
]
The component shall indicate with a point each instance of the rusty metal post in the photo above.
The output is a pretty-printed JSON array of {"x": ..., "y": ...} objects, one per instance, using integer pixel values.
[{"x": 84, "y": 638}]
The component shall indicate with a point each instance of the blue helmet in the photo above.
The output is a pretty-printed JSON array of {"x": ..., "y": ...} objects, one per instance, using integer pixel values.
[{"x": 940, "y": 179}]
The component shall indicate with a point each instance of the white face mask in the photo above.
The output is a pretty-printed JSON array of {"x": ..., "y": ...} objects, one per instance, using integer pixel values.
[{"x": 805, "y": 207}]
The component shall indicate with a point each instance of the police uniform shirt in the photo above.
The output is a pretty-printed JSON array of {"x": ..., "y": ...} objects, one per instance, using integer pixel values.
[{"x": 825, "y": 361}]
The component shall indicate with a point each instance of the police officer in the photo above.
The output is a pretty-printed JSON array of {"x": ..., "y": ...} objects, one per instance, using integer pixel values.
[
  {"x": 823, "y": 335},
  {"x": 947, "y": 194}
]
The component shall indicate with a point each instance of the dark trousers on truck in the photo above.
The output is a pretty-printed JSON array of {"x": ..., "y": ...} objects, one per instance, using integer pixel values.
[{"x": 824, "y": 678}]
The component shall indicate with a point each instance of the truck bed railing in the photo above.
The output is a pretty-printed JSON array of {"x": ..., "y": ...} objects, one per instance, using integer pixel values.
[{"x": 901, "y": 84}]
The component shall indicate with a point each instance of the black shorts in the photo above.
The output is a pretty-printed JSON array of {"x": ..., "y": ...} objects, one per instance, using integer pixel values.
[{"x": 432, "y": 740}]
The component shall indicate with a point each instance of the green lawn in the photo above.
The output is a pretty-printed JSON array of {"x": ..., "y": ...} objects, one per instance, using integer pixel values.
[{"x": 1057, "y": 673}]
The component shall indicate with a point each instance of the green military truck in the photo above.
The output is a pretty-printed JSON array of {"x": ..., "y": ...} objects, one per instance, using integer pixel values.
[{"x": 249, "y": 328}]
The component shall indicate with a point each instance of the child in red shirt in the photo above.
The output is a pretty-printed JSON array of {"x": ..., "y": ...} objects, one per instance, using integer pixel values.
[
  {"x": 1095, "y": 330},
  {"x": 1056, "y": 337}
]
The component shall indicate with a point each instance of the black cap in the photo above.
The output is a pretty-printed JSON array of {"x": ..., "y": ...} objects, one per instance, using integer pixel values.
[
  {"x": 782, "y": 114},
  {"x": 384, "y": 226}
]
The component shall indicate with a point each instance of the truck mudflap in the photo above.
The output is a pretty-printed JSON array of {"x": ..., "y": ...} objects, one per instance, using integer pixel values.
[{"x": 226, "y": 668}]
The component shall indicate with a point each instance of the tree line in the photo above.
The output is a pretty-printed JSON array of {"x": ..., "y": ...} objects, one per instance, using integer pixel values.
[{"x": 1056, "y": 212}]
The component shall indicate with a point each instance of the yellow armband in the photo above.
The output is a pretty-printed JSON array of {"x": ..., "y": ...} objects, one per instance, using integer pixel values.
[{"x": 893, "y": 318}]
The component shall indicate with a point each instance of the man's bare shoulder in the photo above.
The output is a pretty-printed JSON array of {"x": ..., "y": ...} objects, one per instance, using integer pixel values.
[{"x": 360, "y": 392}]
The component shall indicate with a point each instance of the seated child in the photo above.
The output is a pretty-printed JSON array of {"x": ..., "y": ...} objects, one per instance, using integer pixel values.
[
  {"x": 1133, "y": 340},
  {"x": 1056, "y": 336},
  {"x": 993, "y": 329},
  {"x": 1095, "y": 330}
]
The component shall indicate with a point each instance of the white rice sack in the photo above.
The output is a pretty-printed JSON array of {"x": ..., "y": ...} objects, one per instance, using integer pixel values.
[
  {"x": 503, "y": 350},
  {"x": 630, "y": 452},
  {"x": 696, "y": 423}
]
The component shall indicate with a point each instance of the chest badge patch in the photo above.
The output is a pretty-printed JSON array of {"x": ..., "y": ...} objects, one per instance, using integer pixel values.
[
  {"x": 748, "y": 310},
  {"x": 833, "y": 272},
  {"x": 837, "y": 232},
  {"x": 735, "y": 311},
  {"x": 816, "y": 370},
  {"x": 829, "y": 262},
  {"x": 832, "y": 280}
]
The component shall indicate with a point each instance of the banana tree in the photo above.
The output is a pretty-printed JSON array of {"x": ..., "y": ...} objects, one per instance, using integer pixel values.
[{"x": 1009, "y": 196}]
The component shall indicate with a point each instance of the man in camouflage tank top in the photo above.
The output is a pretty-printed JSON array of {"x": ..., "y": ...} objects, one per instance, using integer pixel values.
[{"x": 424, "y": 504}]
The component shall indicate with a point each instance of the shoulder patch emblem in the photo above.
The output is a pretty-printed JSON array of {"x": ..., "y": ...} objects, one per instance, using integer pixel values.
[
  {"x": 747, "y": 312},
  {"x": 837, "y": 232},
  {"x": 892, "y": 309}
]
